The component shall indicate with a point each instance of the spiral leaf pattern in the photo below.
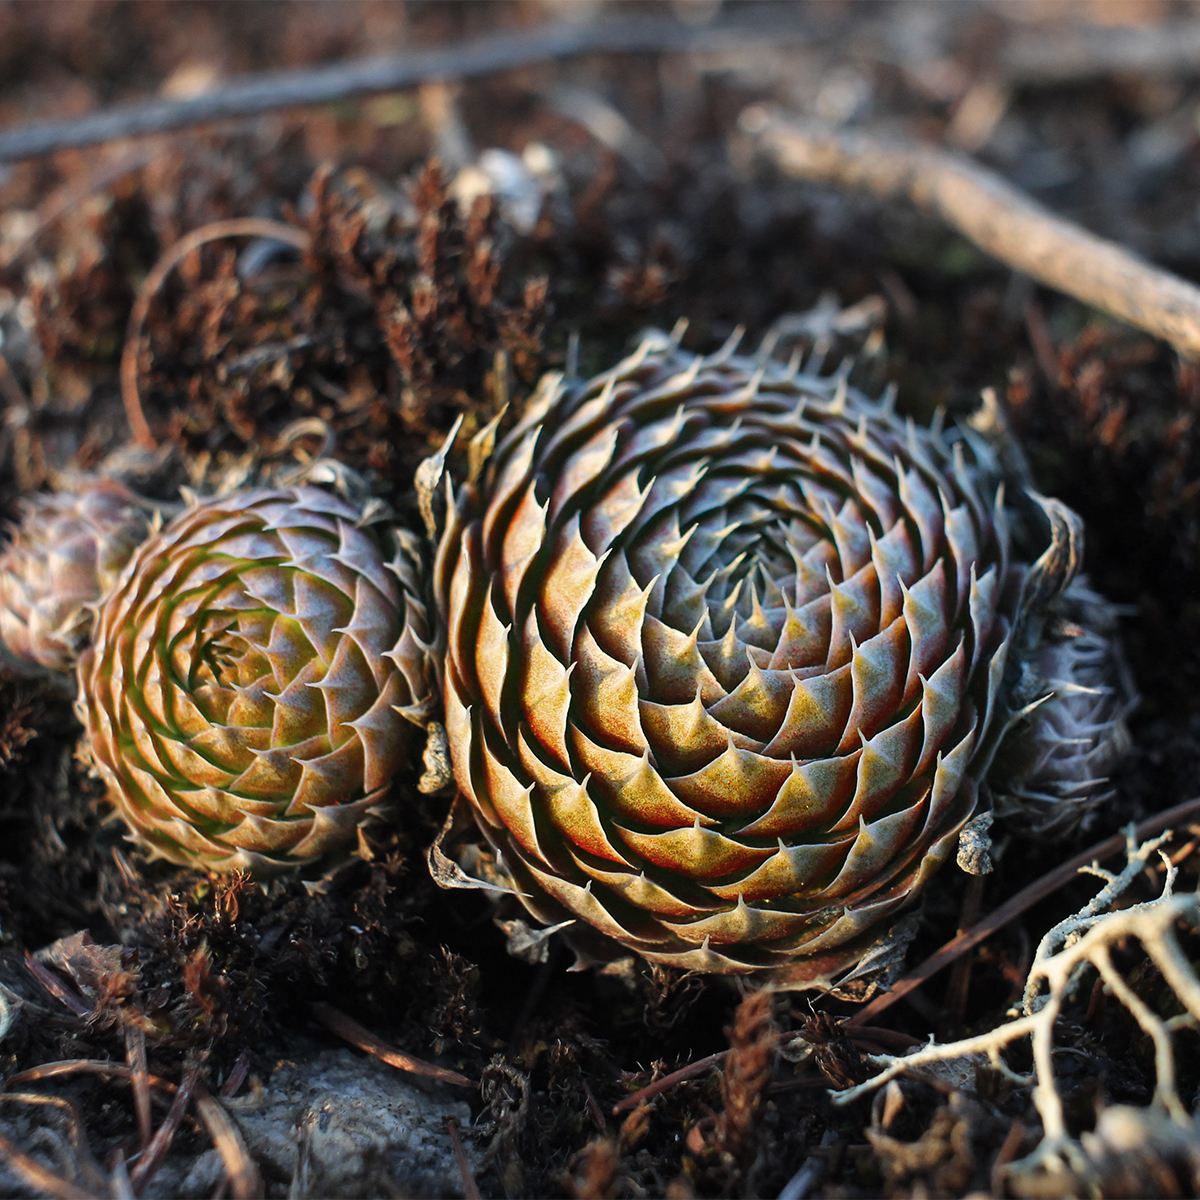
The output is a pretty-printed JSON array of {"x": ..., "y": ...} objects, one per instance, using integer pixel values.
[
  {"x": 724, "y": 646},
  {"x": 252, "y": 679},
  {"x": 64, "y": 553}
]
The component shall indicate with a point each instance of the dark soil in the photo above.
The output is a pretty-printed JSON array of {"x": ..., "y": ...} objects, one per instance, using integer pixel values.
[{"x": 409, "y": 310}]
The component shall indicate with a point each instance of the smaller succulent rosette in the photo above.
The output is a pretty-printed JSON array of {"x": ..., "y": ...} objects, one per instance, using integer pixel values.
[
  {"x": 254, "y": 678},
  {"x": 64, "y": 553},
  {"x": 1055, "y": 765}
]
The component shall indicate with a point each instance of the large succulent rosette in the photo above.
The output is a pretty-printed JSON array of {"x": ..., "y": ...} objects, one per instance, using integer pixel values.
[
  {"x": 253, "y": 678},
  {"x": 724, "y": 646},
  {"x": 62, "y": 556}
]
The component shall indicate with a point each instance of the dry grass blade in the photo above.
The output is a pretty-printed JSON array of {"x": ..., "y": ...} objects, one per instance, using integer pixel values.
[
  {"x": 245, "y": 1179},
  {"x": 135, "y": 1055},
  {"x": 997, "y": 217},
  {"x": 235, "y": 227},
  {"x": 349, "y": 1029},
  {"x": 469, "y": 1187},
  {"x": 1023, "y": 900},
  {"x": 236, "y": 1077},
  {"x": 90, "y": 1066},
  {"x": 67, "y": 996},
  {"x": 165, "y": 1134}
]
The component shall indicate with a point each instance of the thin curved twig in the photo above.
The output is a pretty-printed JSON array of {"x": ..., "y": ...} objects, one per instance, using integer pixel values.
[
  {"x": 235, "y": 227},
  {"x": 999, "y": 218},
  {"x": 954, "y": 948},
  {"x": 88, "y": 1066},
  {"x": 669, "y": 1081},
  {"x": 1024, "y": 899}
]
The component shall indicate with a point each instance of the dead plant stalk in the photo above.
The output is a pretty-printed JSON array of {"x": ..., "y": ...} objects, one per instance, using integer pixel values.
[{"x": 999, "y": 218}]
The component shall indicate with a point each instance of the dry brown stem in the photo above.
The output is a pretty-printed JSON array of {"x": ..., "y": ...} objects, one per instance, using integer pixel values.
[
  {"x": 470, "y": 1189},
  {"x": 346, "y": 1027},
  {"x": 506, "y": 51},
  {"x": 164, "y": 1135},
  {"x": 1024, "y": 899},
  {"x": 997, "y": 217},
  {"x": 1086, "y": 939},
  {"x": 667, "y": 1082},
  {"x": 135, "y": 1054}
]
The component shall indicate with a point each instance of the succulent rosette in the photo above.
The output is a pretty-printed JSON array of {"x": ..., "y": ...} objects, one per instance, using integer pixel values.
[
  {"x": 725, "y": 642},
  {"x": 253, "y": 677},
  {"x": 63, "y": 554},
  {"x": 1055, "y": 766}
]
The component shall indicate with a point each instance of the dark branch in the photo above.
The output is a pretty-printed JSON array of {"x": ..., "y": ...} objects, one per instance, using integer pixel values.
[{"x": 321, "y": 85}]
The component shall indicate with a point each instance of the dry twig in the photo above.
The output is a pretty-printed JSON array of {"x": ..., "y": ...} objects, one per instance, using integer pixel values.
[
  {"x": 997, "y": 217},
  {"x": 1024, "y": 899},
  {"x": 507, "y": 51},
  {"x": 88, "y": 1066},
  {"x": 1085, "y": 939},
  {"x": 667, "y": 1082},
  {"x": 346, "y": 1027}
]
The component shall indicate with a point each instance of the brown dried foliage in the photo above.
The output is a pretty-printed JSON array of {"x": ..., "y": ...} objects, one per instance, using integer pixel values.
[
  {"x": 753, "y": 1037},
  {"x": 834, "y": 1054},
  {"x": 437, "y": 296},
  {"x": 385, "y": 331},
  {"x": 20, "y": 719}
]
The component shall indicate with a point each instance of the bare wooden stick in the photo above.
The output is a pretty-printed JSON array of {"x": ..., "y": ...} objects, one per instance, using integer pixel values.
[
  {"x": 999, "y": 218},
  {"x": 1082, "y": 52},
  {"x": 321, "y": 85}
]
